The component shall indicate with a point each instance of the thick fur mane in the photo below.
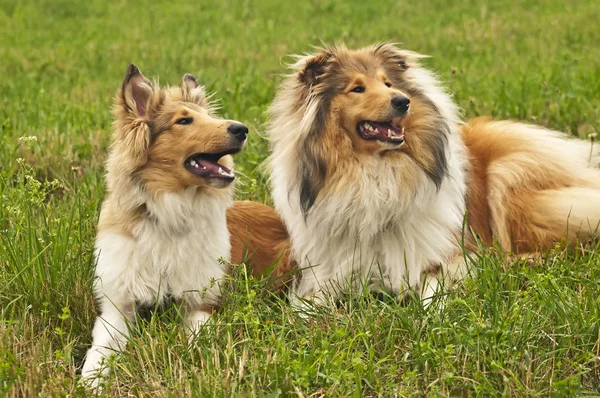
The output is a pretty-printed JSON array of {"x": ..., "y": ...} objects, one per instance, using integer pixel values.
[
  {"x": 354, "y": 201},
  {"x": 341, "y": 206},
  {"x": 300, "y": 123}
]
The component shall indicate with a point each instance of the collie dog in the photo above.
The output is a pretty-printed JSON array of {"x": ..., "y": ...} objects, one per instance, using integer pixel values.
[
  {"x": 163, "y": 227},
  {"x": 375, "y": 174}
]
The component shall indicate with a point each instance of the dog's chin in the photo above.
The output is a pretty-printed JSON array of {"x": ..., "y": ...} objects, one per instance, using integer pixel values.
[
  {"x": 207, "y": 167},
  {"x": 384, "y": 132}
]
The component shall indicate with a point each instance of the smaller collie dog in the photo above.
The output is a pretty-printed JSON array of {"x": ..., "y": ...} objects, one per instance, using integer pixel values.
[
  {"x": 168, "y": 226},
  {"x": 375, "y": 174}
]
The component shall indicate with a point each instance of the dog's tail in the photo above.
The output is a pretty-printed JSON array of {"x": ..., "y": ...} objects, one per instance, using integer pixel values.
[{"x": 551, "y": 146}]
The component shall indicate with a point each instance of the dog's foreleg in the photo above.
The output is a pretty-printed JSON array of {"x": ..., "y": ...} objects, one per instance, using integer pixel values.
[
  {"x": 316, "y": 288},
  {"x": 430, "y": 287},
  {"x": 433, "y": 281},
  {"x": 109, "y": 336}
]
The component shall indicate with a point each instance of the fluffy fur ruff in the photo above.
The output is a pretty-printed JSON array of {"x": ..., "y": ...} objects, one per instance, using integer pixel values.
[
  {"x": 376, "y": 192},
  {"x": 163, "y": 227}
]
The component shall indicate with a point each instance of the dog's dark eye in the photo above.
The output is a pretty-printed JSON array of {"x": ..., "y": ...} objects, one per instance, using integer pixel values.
[
  {"x": 358, "y": 89},
  {"x": 388, "y": 84},
  {"x": 184, "y": 120}
]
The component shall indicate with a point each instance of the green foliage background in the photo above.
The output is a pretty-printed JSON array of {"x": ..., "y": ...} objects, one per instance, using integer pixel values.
[{"x": 514, "y": 328}]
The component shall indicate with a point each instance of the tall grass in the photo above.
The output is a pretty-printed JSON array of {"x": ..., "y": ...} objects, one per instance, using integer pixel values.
[{"x": 514, "y": 328}]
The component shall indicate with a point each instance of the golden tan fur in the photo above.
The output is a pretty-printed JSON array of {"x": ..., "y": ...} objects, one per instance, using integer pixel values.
[
  {"x": 326, "y": 81},
  {"x": 170, "y": 149},
  {"x": 260, "y": 240},
  {"x": 351, "y": 200},
  {"x": 387, "y": 211},
  {"x": 525, "y": 191},
  {"x": 151, "y": 148},
  {"x": 163, "y": 229},
  {"x": 152, "y": 154}
]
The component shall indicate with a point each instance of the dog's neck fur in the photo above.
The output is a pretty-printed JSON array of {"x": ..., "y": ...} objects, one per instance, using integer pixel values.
[
  {"x": 369, "y": 220},
  {"x": 169, "y": 234},
  {"x": 372, "y": 223},
  {"x": 171, "y": 212}
]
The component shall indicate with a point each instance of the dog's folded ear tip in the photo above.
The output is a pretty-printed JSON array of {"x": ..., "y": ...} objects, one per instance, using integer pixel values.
[
  {"x": 132, "y": 70},
  {"x": 189, "y": 82},
  {"x": 315, "y": 66},
  {"x": 190, "y": 77}
]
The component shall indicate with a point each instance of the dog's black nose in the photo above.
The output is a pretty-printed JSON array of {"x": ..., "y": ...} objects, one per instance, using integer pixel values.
[
  {"x": 401, "y": 102},
  {"x": 238, "y": 130}
]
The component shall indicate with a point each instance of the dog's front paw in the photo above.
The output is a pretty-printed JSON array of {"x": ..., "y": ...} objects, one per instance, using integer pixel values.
[
  {"x": 93, "y": 383},
  {"x": 94, "y": 370}
]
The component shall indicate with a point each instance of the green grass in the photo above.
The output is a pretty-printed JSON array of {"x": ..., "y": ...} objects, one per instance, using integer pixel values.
[{"x": 513, "y": 329}]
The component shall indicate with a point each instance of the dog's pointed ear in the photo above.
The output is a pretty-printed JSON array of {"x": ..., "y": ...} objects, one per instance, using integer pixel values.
[
  {"x": 314, "y": 67},
  {"x": 136, "y": 91},
  {"x": 136, "y": 97},
  {"x": 192, "y": 90},
  {"x": 403, "y": 58},
  {"x": 189, "y": 82}
]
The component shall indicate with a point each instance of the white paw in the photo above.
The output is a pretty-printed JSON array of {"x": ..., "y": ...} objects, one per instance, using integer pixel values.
[{"x": 94, "y": 369}]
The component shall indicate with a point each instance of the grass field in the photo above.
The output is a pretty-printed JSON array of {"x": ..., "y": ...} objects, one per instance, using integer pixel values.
[{"x": 513, "y": 329}]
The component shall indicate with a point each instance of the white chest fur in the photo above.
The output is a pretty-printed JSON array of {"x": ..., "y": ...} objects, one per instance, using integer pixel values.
[
  {"x": 175, "y": 251},
  {"x": 375, "y": 229}
]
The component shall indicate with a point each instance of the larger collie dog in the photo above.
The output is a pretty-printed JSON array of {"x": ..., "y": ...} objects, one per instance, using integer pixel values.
[
  {"x": 168, "y": 226},
  {"x": 375, "y": 174}
]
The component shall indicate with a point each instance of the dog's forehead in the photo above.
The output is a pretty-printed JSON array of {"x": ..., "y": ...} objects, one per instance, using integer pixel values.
[
  {"x": 176, "y": 98},
  {"x": 177, "y": 94},
  {"x": 361, "y": 61}
]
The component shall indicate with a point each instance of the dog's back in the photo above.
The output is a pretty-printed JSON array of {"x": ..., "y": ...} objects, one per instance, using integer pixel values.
[
  {"x": 529, "y": 186},
  {"x": 260, "y": 240}
]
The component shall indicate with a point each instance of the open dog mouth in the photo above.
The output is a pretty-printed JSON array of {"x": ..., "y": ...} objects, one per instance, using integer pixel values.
[
  {"x": 382, "y": 131},
  {"x": 207, "y": 165}
]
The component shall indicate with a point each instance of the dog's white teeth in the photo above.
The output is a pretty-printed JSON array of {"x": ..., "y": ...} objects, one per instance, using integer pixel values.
[
  {"x": 402, "y": 130},
  {"x": 197, "y": 166},
  {"x": 224, "y": 173},
  {"x": 193, "y": 163},
  {"x": 370, "y": 128},
  {"x": 390, "y": 133}
]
